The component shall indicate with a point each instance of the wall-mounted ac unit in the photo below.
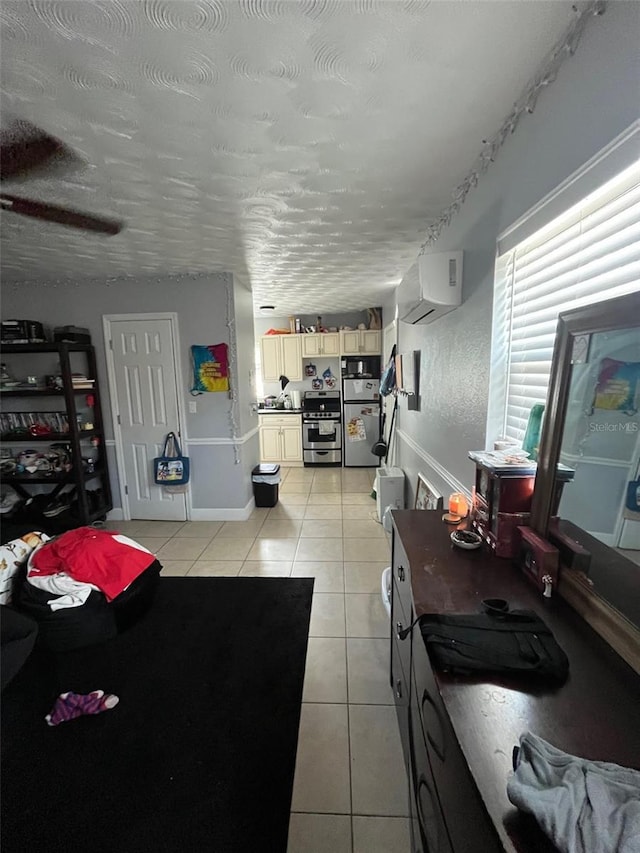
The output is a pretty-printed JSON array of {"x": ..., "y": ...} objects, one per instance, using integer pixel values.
[{"x": 431, "y": 288}]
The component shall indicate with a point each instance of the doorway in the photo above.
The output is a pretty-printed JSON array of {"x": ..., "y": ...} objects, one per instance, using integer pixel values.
[{"x": 143, "y": 366}]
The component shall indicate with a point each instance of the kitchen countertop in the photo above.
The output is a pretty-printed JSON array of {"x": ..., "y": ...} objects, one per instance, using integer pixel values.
[{"x": 272, "y": 411}]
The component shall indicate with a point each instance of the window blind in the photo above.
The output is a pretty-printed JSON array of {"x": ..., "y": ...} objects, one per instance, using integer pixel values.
[{"x": 586, "y": 255}]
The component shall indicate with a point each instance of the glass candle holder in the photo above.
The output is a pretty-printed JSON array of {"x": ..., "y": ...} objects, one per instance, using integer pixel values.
[{"x": 458, "y": 504}]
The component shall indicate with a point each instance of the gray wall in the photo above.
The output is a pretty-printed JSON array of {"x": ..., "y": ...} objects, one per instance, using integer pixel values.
[
  {"x": 594, "y": 99},
  {"x": 201, "y": 303}
]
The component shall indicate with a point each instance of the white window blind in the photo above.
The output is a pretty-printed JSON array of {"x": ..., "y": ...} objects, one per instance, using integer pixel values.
[{"x": 586, "y": 255}]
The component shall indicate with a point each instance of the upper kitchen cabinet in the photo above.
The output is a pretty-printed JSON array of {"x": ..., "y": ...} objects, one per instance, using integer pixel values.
[
  {"x": 281, "y": 354},
  {"x": 361, "y": 342},
  {"x": 327, "y": 343}
]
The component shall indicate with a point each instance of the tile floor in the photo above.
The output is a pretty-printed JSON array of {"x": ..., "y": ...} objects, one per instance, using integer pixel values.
[{"x": 350, "y": 789}]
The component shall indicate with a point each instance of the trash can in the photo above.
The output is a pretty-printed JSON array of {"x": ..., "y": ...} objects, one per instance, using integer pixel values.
[{"x": 266, "y": 480}]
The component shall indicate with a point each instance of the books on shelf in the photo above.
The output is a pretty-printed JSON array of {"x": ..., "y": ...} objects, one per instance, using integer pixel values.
[{"x": 79, "y": 380}]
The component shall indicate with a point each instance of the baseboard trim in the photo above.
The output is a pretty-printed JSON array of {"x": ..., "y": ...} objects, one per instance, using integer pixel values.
[
  {"x": 447, "y": 476},
  {"x": 222, "y": 514},
  {"x": 212, "y": 514}
]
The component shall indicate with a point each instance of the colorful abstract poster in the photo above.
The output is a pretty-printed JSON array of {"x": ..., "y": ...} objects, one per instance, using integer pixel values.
[
  {"x": 210, "y": 368},
  {"x": 617, "y": 386}
]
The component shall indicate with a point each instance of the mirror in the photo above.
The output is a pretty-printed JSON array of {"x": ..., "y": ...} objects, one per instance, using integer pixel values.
[{"x": 592, "y": 425}]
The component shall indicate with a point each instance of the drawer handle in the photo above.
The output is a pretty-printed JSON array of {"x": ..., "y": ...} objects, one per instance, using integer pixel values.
[
  {"x": 401, "y": 574},
  {"x": 429, "y": 824},
  {"x": 439, "y": 747},
  {"x": 403, "y": 633},
  {"x": 399, "y": 689}
]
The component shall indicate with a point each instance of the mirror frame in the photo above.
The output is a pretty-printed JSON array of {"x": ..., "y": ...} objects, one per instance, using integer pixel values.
[{"x": 621, "y": 312}]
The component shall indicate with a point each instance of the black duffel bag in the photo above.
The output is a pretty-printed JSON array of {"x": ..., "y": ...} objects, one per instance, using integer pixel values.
[{"x": 516, "y": 643}]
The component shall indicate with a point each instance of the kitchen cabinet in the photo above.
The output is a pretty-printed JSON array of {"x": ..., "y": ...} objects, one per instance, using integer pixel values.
[
  {"x": 458, "y": 732},
  {"x": 361, "y": 342},
  {"x": 281, "y": 354},
  {"x": 280, "y": 438},
  {"x": 76, "y": 462},
  {"x": 327, "y": 344}
]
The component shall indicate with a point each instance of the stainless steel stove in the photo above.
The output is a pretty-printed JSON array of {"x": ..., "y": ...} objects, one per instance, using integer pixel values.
[{"x": 321, "y": 428}]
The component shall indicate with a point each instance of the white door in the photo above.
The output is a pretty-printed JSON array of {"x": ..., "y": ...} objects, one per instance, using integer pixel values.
[{"x": 145, "y": 398}]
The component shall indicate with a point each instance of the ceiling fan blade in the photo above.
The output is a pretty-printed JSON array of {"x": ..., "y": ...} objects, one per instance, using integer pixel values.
[
  {"x": 25, "y": 149},
  {"x": 61, "y": 215}
]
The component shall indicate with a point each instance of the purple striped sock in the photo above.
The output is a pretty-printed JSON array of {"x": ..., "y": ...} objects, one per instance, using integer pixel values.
[{"x": 68, "y": 706}]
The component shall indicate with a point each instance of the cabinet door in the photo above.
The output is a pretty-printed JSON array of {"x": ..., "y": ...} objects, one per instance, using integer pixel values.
[
  {"x": 330, "y": 343},
  {"x": 291, "y": 443},
  {"x": 270, "y": 444},
  {"x": 270, "y": 355},
  {"x": 311, "y": 345},
  {"x": 371, "y": 342},
  {"x": 350, "y": 343},
  {"x": 291, "y": 357}
]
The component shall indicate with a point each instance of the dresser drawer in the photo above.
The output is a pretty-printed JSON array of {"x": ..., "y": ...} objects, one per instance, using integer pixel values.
[
  {"x": 467, "y": 822},
  {"x": 428, "y": 826}
]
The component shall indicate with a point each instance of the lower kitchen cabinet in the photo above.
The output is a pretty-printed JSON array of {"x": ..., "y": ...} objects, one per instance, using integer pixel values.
[{"x": 280, "y": 438}]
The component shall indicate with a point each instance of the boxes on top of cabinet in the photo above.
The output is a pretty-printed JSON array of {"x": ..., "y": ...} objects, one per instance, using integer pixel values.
[
  {"x": 72, "y": 335},
  {"x": 21, "y": 332}
]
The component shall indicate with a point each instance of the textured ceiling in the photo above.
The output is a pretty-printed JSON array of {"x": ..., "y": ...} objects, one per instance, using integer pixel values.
[{"x": 304, "y": 143}]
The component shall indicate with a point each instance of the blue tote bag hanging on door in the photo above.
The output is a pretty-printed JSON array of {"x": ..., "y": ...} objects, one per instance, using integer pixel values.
[{"x": 172, "y": 468}]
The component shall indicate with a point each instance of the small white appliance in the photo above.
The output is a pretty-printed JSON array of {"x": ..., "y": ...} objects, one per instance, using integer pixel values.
[
  {"x": 389, "y": 488},
  {"x": 431, "y": 288}
]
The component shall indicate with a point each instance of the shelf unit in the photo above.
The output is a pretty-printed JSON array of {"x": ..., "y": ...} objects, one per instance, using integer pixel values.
[{"x": 77, "y": 476}]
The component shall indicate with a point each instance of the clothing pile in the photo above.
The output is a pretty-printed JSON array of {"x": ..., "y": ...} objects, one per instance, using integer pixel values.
[
  {"x": 583, "y": 806},
  {"x": 84, "y": 586},
  {"x": 86, "y": 559}
]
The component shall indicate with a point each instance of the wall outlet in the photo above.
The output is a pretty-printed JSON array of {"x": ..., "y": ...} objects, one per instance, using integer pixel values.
[{"x": 193, "y": 407}]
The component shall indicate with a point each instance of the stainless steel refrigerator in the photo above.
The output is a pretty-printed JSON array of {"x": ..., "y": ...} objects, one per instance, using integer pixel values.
[{"x": 361, "y": 422}]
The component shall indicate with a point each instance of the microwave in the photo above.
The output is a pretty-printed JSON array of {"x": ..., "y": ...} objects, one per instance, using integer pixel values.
[{"x": 361, "y": 367}]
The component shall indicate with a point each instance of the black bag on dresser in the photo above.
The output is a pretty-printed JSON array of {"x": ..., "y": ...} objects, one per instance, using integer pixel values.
[{"x": 516, "y": 643}]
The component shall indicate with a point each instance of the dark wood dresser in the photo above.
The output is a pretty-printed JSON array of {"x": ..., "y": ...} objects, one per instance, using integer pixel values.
[{"x": 458, "y": 732}]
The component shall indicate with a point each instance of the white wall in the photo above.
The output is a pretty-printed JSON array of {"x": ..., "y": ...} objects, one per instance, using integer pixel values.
[{"x": 593, "y": 100}]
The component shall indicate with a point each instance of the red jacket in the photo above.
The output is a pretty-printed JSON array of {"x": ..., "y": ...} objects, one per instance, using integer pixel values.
[{"x": 92, "y": 556}]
